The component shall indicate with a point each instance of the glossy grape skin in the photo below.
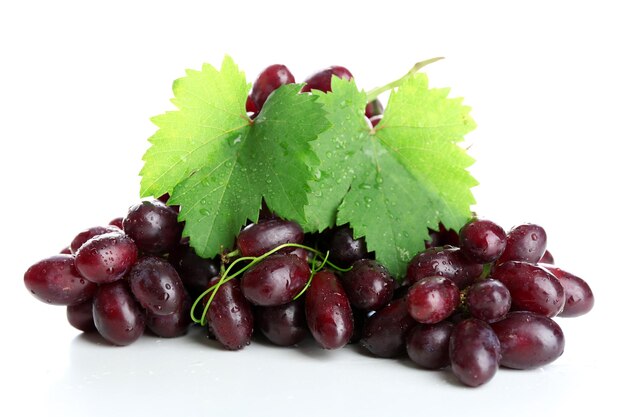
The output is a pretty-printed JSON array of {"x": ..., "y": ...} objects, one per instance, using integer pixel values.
[
  {"x": 85, "y": 235},
  {"x": 258, "y": 238},
  {"x": 526, "y": 242},
  {"x": 432, "y": 299},
  {"x": 474, "y": 352},
  {"x": 579, "y": 298},
  {"x": 528, "y": 340},
  {"x": 116, "y": 315},
  {"x": 171, "y": 325},
  {"x": 374, "y": 108},
  {"x": 283, "y": 325},
  {"x": 368, "y": 284},
  {"x": 117, "y": 222},
  {"x": 532, "y": 288},
  {"x": 106, "y": 258},
  {"x": 269, "y": 80},
  {"x": 488, "y": 300},
  {"x": 428, "y": 345},
  {"x": 80, "y": 316},
  {"x": 322, "y": 79},
  {"x": 156, "y": 285},
  {"x": 275, "y": 280},
  {"x": 153, "y": 226},
  {"x": 328, "y": 311},
  {"x": 446, "y": 262},
  {"x": 194, "y": 271},
  {"x": 344, "y": 248},
  {"x": 384, "y": 333},
  {"x": 230, "y": 316},
  {"x": 55, "y": 280},
  {"x": 482, "y": 241}
]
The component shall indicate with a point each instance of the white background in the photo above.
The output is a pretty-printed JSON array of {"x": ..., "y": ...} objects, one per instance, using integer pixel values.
[{"x": 80, "y": 81}]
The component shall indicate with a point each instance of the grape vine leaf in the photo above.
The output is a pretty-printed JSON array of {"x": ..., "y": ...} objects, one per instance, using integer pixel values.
[
  {"x": 218, "y": 165},
  {"x": 393, "y": 182}
]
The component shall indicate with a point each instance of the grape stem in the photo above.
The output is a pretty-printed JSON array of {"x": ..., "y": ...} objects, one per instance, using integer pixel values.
[{"x": 372, "y": 94}]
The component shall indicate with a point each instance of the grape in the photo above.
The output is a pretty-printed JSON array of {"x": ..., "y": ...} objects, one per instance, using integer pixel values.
[
  {"x": 106, "y": 258},
  {"x": 528, "y": 340},
  {"x": 428, "y": 344},
  {"x": 55, "y": 280},
  {"x": 256, "y": 239},
  {"x": 80, "y": 316},
  {"x": 328, "y": 311},
  {"x": 432, "y": 299},
  {"x": 385, "y": 331},
  {"x": 250, "y": 106},
  {"x": 368, "y": 285},
  {"x": 116, "y": 315},
  {"x": 322, "y": 79},
  {"x": 578, "y": 296},
  {"x": 283, "y": 325},
  {"x": 482, "y": 241},
  {"x": 526, "y": 243},
  {"x": 547, "y": 258},
  {"x": 374, "y": 108},
  {"x": 275, "y": 280},
  {"x": 194, "y": 271},
  {"x": 157, "y": 286},
  {"x": 488, "y": 300},
  {"x": 375, "y": 120},
  {"x": 344, "y": 249},
  {"x": 269, "y": 80},
  {"x": 117, "y": 222},
  {"x": 445, "y": 262},
  {"x": 532, "y": 288},
  {"x": 171, "y": 325},
  {"x": 153, "y": 226},
  {"x": 85, "y": 235},
  {"x": 230, "y": 316},
  {"x": 474, "y": 352}
]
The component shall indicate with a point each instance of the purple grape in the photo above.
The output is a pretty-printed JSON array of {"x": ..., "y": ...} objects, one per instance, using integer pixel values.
[
  {"x": 384, "y": 334},
  {"x": 230, "y": 316},
  {"x": 269, "y": 80},
  {"x": 283, "y": 325},
  {"x": 251, "y": 107},
  {"x": 85, "y": 235},
  {"x": 444, "y": 262},
  {"x": 322, "y": 79},
  {"x": 275, "y": 280},
  {"x": 432, "y": 299},
  {"x": 328, "y": 311},
  {"x": 153, "y": 226},
  {"x": 547, "y": 258},
  {"x": 368, "y": 285},
  {"x": 116, "y": 315},
  {"x": 532, "y": 288},
  {"x": 80, "y": 316},
  {"x": 157, "y": 286},
  {"x": 482, "y": 241},
  {"x": 528, "y": 340},
  {"x": 474, "y": 352},
  {"x": 117, "y": 222},
  {"x": 488, "y": 300},
  {"x": 428, "y": 344},
  {"x": 55, "y": 280},
  {"x": 374, "y": 120},
  {"x": 579, "y": 298},
  {"x": 106, "y": 258},
  {"x": 195, "y": 272},
  {"x": 374, "y": 108},
  {"x": 344, "y": 249},
  {"x": 526, "y": 243},
  {"x": 171, "y": 325},
  {"x": 258, "y": 238}
]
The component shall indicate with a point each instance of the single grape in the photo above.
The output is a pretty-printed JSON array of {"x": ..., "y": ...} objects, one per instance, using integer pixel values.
[
  {"x": 432, "y": 299},
  {"x": 87, "y": 234},
  {"x": 526, "y": 242},
  {"x": 344, "y": 248},
  {"x": 153, "y": 226},
  {"x": 194, "y": 271},
  {"x": 116, "y": 315},
  {"x": 55, "y": 280},
  {"x": 258, "y": 238},
  {"x": 384, "y": 334},
  {"x": 474, "y": 352},
  {"x": 275, "y": 280},
  {"x": 283, "y": 325},
  {"x": 230, "y": 316},
  {"x": 117, "y": 222},
  {"x": 532, "y": 288},
  {"x": 374, "y": 120},
  {"x": 80, "y": 316},
  {"x": 445, "y": 262},
  {"x": 368, "y": 284},
  {"x": 579, "y": 298},
  {"x": 269, "y": 80},
  {"x": 547, "y": 258},
  {"x": 322, "y": 79},
  {"x": 488, "y": 300},
  {"x": 328, "y": 311},
  {"x": 156, "y": 285},
  {"x": 528, "y": 340},
  {"x": 428, "y": 344},
  {"x": 482, "y": 241},
  {"x": 106, "y": 258},
  {"x": 251, "y": 107},
  {"x": 374, "y": 108},
  {"x": 171, "y": 325}
]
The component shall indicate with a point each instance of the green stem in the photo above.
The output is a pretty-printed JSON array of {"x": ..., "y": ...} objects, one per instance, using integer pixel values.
[{"x": 372, "y": 94}]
